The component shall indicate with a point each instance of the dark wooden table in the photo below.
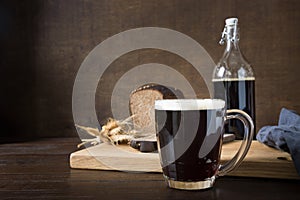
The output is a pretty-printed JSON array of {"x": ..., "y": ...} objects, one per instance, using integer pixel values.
[{"x": 40, "y": 170}]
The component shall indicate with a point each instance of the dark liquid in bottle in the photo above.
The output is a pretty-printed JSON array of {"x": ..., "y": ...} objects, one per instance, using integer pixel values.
[
  {"x": 188, "y": 167},
  {"x": 238, "y": 94}
]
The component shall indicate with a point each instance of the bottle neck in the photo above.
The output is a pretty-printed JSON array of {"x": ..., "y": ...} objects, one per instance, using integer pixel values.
[
  {"x": 231, "y": 37},
  {"x": 232, "y": 46}
]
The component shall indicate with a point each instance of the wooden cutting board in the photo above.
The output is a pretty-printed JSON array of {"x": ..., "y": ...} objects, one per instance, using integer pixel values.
[{"x": 261, "y": 160}]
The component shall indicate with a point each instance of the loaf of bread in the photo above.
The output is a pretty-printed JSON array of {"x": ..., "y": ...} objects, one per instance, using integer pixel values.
[{"x": 141, "y": 106}]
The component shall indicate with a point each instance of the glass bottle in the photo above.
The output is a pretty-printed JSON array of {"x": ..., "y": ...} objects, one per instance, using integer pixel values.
[{"x": 233, "y": 78}]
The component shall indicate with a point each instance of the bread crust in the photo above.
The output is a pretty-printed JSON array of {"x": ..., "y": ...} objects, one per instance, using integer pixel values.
[{"x": 141, "y": 105}]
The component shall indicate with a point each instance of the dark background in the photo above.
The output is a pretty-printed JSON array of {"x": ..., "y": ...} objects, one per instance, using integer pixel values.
[{"x": 43, "y": 44}]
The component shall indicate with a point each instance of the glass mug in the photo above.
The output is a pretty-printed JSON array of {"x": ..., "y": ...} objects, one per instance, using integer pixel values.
[{"x": 189, "y": 135}]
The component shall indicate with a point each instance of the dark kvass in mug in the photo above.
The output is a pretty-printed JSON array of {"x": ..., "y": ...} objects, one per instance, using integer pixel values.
[{"x": 183, "y": 133}]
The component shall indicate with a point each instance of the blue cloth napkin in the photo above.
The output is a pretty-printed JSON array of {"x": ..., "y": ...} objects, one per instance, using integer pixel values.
[{"x": 285, "y": 136}]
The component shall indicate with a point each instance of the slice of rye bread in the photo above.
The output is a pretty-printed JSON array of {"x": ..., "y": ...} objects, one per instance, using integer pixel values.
[{"x": 141, "y": 106}]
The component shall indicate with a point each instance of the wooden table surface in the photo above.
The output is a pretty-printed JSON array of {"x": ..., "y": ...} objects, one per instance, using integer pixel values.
[{"x": 40, "y": 170}]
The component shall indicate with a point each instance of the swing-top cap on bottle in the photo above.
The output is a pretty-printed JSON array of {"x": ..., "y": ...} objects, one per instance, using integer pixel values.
[
  {"x": 231, "y": 21},
  {"x": 230, "y": 24}
]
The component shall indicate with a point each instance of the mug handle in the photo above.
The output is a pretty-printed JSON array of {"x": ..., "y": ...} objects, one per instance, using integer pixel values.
[{"x": 246, "y": 142}]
